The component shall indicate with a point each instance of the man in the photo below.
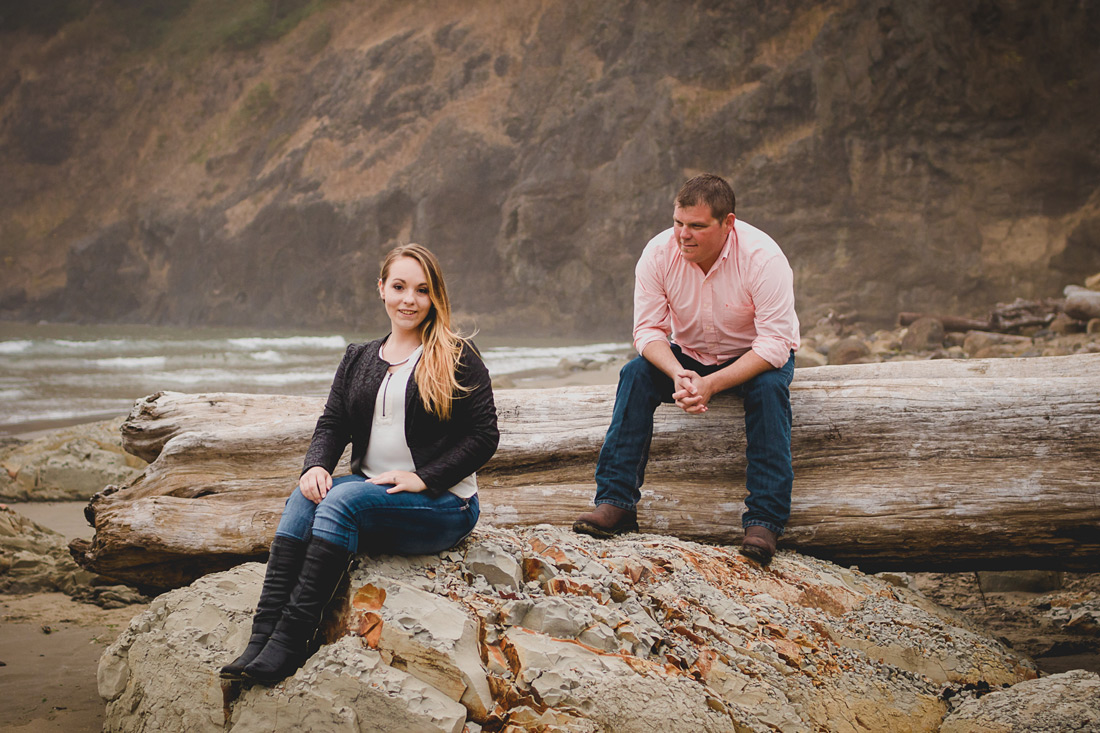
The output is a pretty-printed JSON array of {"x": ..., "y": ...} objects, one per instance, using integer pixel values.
[{"x": 724, "y": 292}]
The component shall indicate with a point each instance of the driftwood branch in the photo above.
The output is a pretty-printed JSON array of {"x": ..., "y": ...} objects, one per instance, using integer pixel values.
[
  {"x": 1005, "y": 317},
  {"x": 950, "y": 323},
  {"x": 944, "y": 465}
]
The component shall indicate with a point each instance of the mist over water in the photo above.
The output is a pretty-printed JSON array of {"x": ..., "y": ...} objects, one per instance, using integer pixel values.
[{"x": 53, "y": 375}]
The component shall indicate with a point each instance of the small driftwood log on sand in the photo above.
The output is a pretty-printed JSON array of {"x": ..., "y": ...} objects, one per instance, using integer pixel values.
[
  {"x": 921, "y": 465},
  {"x": 1005, "y": 318}
]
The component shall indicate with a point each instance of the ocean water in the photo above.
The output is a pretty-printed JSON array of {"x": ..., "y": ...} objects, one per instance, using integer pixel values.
[{"x": 54, "y": 375}]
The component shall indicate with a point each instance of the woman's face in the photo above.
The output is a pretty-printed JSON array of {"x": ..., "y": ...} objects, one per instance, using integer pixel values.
[{"x": 405, "y": 292}]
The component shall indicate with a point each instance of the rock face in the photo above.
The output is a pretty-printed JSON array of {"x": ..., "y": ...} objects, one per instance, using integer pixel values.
[
  {"x": 34, "y": 559},
  {"x": 1061, "y": 702},
  {"x": 1058, "y": 630},
  {"x": 67, "y": 464},
  {"x": 542, "y": 629},
  {"x": 906, "y": 155}
]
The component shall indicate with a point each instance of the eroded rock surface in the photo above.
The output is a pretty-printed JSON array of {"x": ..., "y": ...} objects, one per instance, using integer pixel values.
[
  {"x": 36, "y": 559},
  {"x": 66, "y": 464},
  {"x": 541, "y": 629},
  {"x": 1055, "y": 704}
]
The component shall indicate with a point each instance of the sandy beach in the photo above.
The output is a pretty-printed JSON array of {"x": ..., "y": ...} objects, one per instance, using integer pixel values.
[{"x": 50, "y": 645}]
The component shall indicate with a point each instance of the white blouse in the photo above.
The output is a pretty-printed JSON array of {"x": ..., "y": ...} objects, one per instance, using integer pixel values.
[{"x": 387, "y": 449}]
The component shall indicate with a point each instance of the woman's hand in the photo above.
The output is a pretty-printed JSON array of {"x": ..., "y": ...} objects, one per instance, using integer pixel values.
[
  {"x": 401, "y": 480},
  {"x": 315, "y": 484}
]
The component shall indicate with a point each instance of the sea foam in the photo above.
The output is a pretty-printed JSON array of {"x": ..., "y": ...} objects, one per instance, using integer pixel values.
[
  {"x": 15, "y": 347},
  {"x": 289, "y": 343}
]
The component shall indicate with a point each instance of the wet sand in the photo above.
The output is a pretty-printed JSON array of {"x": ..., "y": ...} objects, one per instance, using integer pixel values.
[
  {"x": 66, "y": 517},
  {"x": 50, "y": 645}
]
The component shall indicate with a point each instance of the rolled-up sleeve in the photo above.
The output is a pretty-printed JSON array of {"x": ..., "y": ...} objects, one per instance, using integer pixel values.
[
  {"x": 776, "y": 321},
  {"x": 652, "y": 315}
]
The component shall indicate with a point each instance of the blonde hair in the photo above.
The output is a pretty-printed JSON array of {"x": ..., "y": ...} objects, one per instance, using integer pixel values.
[{"x": 435, "y": 373}]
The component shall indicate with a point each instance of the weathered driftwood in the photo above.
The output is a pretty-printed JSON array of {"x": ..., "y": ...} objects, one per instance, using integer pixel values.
[
  {"x": 1005, "y": 317},
  {"x": 950, "y": 323},
  {"x": 979, "y": 464}
]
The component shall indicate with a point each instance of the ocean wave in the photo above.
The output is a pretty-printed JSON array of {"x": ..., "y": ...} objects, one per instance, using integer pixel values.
[
  {"x": 510, "y": 360},
  {"x": 40, "y": 411},
  {"x": 85, "y": 374},
  {"x": 92, "y": 348},
  {"x": 560, "y": 351},
  {"x": 38, "y": 365},
  {"x": 95, "y": 344},
  {"x": 266, "y": 356},
  {"x": 129, "y": 362},
  {"x": 291, "y": 378},
  {"x": 221, "y": 379},
  {"x": 15, "y": 347},
  {"x": 201, "y": 345},
  {"x": 289, "y": 342}
]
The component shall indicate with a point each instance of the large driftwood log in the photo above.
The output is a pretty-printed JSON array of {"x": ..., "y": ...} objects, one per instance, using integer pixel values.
[{"x": 980, "y": 464}]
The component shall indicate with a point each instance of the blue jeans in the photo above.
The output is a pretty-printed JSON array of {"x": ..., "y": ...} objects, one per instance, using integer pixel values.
[
  {"x": 362, "y": 517},
  {"x": 769, "y": 475}
]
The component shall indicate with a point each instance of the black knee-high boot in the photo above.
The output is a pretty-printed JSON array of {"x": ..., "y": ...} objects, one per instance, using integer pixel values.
[
  {"x": 288, "y": 647},
  {"x": 284, "y": 564}
]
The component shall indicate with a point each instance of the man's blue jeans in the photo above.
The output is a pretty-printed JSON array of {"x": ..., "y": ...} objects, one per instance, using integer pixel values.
[
  {"x": 769, "y": 475},
  {"x": 362, "y": 517}
]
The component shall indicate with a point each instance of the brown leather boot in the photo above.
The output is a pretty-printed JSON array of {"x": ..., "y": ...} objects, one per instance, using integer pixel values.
[
  {"x": 606, "y": 521},
  {"x": 759, "y": 544}
]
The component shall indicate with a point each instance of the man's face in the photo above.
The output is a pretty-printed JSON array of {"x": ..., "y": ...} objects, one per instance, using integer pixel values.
[{"x": 699, "y": 235}]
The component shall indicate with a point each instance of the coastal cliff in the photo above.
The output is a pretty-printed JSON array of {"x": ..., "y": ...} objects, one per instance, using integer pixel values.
[{"x": 194, "y": 162}]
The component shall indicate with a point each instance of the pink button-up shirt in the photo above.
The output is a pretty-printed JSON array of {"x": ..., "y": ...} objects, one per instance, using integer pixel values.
[{"x": 745, "y": 302}]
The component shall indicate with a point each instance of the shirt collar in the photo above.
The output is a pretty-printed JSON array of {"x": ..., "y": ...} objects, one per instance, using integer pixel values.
[{"x": 731, "y": 242}]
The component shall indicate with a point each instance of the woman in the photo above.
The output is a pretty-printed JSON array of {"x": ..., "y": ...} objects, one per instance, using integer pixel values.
[{"x": 417, "y": 407}]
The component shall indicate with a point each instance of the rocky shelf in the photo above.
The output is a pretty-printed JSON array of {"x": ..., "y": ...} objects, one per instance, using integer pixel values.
[{"x": 541, "y": 629}]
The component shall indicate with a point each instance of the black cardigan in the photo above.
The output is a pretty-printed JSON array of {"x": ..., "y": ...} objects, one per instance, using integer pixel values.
[{"x": 444, "y": 452}]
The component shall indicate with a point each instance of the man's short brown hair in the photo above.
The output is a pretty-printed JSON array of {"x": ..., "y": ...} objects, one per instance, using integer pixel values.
[{"x": 709, "y": 189}]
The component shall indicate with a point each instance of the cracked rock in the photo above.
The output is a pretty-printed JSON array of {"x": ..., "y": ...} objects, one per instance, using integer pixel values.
[
  {"x": 518, "y": 630},
  {"x": 1063, "y": 702}
]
